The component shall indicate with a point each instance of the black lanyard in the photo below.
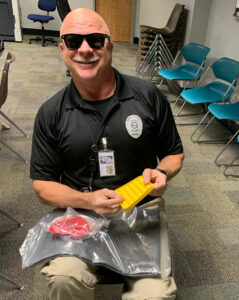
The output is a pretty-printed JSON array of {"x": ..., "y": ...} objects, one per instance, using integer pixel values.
[{"x": 93, "y": 159}]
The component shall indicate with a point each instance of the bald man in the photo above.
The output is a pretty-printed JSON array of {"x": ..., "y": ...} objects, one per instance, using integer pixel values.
[{"x": 100, "y": 109}]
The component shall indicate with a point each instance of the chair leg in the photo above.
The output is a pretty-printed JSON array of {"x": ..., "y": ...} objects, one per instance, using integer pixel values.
[
  {"x": 14, "y": 124},
  {"x": 20, "y": 287},
  {"x": 224, "y": 148},
  {"x": 231, "y": 165},
  {"x": 179, "y": 96},
  {"x": 199, "y": 124},
  {"x": 159, "y": 85},
  {"x": 188, "y": 115},
  {"x": 11, "y": 149},
  {"x": 176, "y": 101},
  {"x": 11, "y": 218}
]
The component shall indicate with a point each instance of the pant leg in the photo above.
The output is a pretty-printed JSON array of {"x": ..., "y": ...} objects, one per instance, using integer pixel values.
[
  {"x": 149, "y": 289},
  {"x": 70, "y": 278}
]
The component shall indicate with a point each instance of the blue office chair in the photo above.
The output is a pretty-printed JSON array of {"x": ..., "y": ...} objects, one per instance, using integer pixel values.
[
  {"x": 194, "y": 56},
  {"x": 225, "y": 72},
  {"x": 46, "y": 5},
  {"x": 231, "y": 165},
  {"x": 222, "y": 89}
]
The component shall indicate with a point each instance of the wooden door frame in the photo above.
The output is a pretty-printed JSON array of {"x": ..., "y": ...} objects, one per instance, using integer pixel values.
[{"x": 133, "y": 22}]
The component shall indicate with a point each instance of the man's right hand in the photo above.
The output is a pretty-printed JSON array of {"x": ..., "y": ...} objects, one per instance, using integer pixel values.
[{"x": 105, "y": 201}]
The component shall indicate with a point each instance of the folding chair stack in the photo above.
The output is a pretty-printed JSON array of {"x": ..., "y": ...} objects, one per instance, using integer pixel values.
[{"x": 158, "y": 46}]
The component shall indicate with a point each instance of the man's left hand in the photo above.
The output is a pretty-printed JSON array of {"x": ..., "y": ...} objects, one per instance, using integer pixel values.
[{"x": 158, "y": 179}]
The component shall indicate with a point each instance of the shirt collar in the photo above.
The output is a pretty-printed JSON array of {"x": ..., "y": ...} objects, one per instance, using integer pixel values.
[{"x": 123, "y": 91}]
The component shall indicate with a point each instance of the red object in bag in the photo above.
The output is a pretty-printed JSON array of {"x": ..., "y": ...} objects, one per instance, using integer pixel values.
[{"x": 76, "y": 226}]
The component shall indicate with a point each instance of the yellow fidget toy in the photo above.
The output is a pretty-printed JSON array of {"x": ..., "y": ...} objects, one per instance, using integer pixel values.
[{"x": 133, "y": 192}]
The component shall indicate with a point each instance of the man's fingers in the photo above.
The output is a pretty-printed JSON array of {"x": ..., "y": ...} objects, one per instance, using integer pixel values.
[{"x": 147, "y": 175}]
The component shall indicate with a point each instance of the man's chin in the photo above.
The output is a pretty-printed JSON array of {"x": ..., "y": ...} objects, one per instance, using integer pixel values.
[{"x": 86, "y": 74}]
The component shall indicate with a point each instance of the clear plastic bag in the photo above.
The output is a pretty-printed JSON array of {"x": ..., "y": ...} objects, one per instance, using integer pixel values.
[{"x": 132, "y": 243}]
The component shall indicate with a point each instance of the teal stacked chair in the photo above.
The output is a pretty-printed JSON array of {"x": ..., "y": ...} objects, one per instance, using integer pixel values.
[
  {"x": 221, "y": 90},
  {"x": 225, "y": 72},
  {"x": 229, "y": 111},
  {"x": 194, "y": 56}
]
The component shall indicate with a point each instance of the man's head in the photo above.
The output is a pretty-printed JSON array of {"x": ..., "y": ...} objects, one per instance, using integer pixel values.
[{"x": 85, "y": 45}]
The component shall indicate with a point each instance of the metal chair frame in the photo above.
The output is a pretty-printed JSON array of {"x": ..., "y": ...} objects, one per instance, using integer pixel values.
[
  {"x": 3, "y": 97},
  {"x": 14, "y": 283},
  {"x": 231, "y": 165}
]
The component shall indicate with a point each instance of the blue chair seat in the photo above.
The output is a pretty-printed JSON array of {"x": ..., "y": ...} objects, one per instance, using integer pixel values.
[
  {"x": 184, "y": 72},
  {"x": 228, "y": 111},
  {"x": 40, "y": 18},
  {"x": 212, "y": 92}
]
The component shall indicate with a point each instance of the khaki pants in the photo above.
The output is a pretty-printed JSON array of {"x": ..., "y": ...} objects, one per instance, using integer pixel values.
[{"x": 70, "y": 278}]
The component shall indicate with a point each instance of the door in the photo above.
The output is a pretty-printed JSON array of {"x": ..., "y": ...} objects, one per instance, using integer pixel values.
[
  {"x": 118, "y": 16},
  {"x": 6, "y": 20}
]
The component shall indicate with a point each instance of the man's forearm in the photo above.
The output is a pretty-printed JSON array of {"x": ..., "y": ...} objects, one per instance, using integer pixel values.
[
  {"x": 59, "y": 195},
  {"x": 172, "y": 164}
]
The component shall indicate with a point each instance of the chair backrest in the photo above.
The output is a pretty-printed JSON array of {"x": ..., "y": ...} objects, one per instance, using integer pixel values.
[
  {"x": 47, "y": 5},
  {"x": 4, "y": 80},
  {"x": 174, "y": 18},
  {"x": 195, "y": 53},
  {"x": 226, "y": 69}
]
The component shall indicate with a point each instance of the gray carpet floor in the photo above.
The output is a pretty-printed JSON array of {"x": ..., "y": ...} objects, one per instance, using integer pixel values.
[{"x": 201, "y": 203}]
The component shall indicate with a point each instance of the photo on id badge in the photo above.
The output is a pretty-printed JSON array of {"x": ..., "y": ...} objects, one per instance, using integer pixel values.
[{"x": 106, "y": 163}]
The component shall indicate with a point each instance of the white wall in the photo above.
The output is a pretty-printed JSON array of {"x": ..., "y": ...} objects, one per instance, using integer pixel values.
[
  {"x": 223, "y": 30},
  {"x": 30, "y": 7},
  {"x": 199, "y": 21}
]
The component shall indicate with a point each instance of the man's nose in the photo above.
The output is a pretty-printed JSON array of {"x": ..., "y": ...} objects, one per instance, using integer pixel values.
[{"x": 85, "y": 47}]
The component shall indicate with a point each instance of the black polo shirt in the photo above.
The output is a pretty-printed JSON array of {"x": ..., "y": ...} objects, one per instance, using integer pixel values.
[{"x": 137, "y": 122}]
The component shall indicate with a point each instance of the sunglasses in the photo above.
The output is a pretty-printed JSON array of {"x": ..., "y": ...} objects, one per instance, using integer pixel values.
[{"x": 73, "y": 41}]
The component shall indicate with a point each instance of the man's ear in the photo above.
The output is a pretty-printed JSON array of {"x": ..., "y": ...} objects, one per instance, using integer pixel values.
[
  {"x": 111, "y": 46},
  {"x": 61, "y": 46}
]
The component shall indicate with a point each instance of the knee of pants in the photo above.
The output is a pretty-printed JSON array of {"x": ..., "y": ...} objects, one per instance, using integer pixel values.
[
  {"x": 60, "y": 283},
  {"x": 65, "y": 284}
]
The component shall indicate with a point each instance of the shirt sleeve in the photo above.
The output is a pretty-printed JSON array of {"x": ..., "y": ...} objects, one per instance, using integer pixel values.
[
  {"x": 167, "y": 137},
  {"x": 46, "y": 160}
]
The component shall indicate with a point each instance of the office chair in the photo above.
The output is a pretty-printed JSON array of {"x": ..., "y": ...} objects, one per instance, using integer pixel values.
[
  {"x": 3, "y": 97},
  {"x": 46, "y": 5},
  {"x": 194, "y": 56}
]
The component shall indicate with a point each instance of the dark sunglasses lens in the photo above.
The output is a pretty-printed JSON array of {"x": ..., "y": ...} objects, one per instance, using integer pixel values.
[
  {"x": 73, "y": 41},
  {"x": 96, "y": 41}
]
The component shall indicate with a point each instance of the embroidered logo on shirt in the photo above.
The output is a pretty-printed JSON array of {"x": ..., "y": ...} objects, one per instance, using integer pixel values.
[{"x": 134, "y": 126}]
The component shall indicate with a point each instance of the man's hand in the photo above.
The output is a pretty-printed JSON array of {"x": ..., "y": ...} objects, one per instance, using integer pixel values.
[
  {"x": 158, "y": 179},
  {"x": 105, "y": 201}
]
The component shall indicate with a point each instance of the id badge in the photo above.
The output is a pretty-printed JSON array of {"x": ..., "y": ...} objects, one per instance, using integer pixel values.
[{"x": 106, "y": 163}]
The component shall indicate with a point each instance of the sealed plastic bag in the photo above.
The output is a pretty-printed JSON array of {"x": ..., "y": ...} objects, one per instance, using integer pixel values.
[{"x": 130, "y": 243}]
